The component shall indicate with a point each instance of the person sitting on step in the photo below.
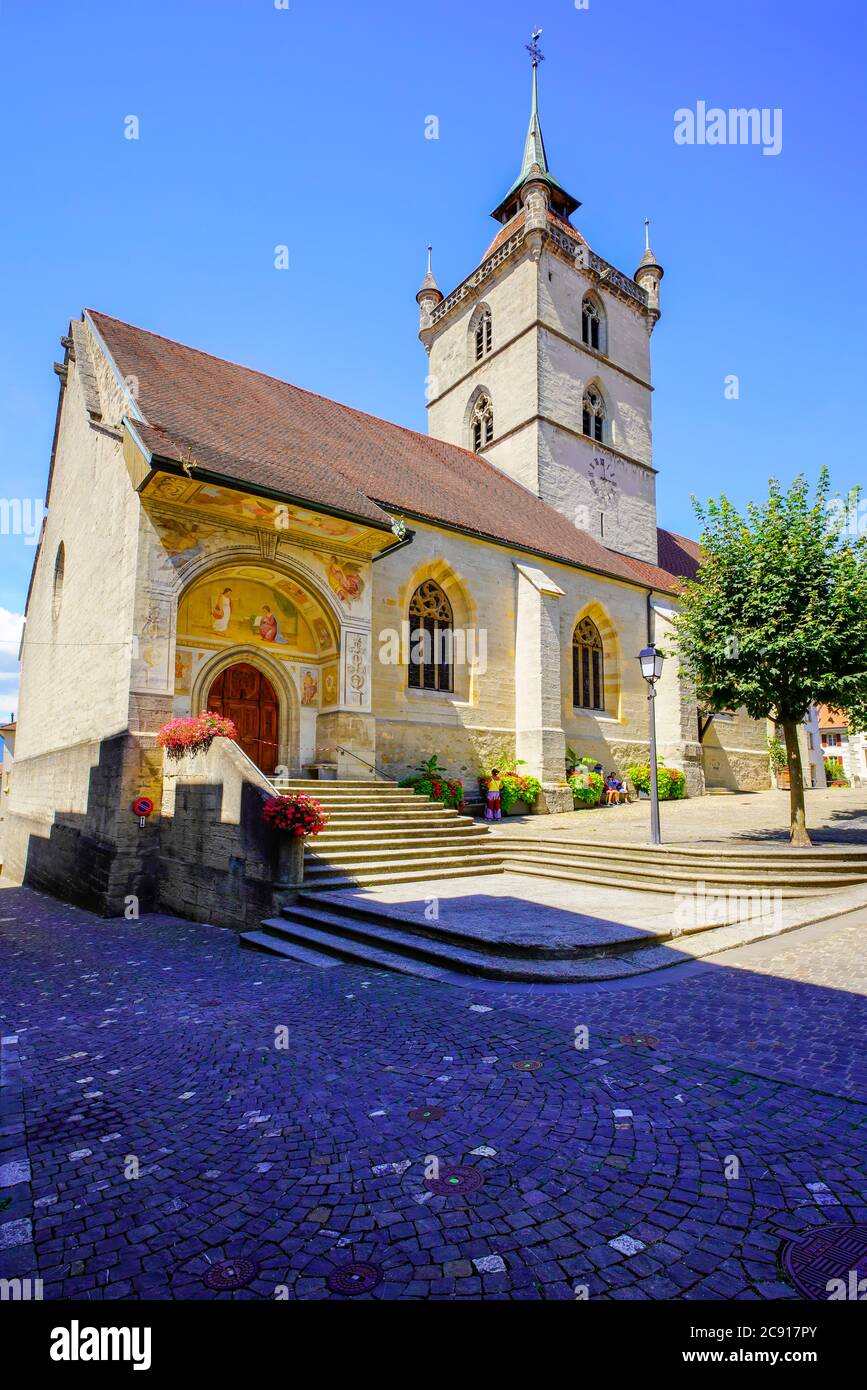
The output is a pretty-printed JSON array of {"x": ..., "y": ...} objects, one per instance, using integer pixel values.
[{"x": 615, "y": 791}]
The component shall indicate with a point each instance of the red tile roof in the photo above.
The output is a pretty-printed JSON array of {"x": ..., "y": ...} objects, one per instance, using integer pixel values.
[
  {"x": 256, "y": 430},
  {"x": 516, "y": 222},
  {"x": 830, "y": 718}
]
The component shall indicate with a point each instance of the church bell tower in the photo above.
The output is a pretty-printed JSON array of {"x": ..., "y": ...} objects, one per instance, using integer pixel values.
[{"x": 540, "y": 359}]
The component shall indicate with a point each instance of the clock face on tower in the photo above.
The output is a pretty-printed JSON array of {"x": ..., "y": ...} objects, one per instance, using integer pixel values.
[{"x": 603, "y": 480}]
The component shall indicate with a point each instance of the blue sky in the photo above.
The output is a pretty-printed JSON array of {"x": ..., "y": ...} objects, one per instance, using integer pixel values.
[{"x": 306, "y": 127}]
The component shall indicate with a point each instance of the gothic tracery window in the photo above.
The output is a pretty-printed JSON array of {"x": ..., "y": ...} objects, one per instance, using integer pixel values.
[
  {"x": 591, "y": 324},
  {"x": 593, "y": 414},
  {"x": 588, "y": 689},
  {"x": 482, "y": 422},
  {"x": 484, "y": 334},
  {"x": 430, "y": 639}
]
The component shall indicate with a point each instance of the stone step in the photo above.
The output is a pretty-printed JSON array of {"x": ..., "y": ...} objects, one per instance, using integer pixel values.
[
  {"x": 261, "y": 941},
  {"x": 409, "y": 820},
  {"x": 785, "y": 857},
  {"x": 284, "y": 941},
  {"x": 362, "y": 839},
  {"x": 628, "y": 873},
  {"x": 323, "y": 881},
  {"x": 679, "y": 858},
  {"x": 381, "y": 857},
  {"x": 373, "y": 805},
  {"x": 539, "y": 867}
]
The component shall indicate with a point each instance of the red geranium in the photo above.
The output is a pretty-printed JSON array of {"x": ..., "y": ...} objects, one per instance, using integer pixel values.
[
  {"x": 194, "y": 735},
  {"x": 296, "y": 813}
]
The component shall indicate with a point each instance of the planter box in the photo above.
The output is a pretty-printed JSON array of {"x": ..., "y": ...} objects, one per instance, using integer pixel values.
[
  {"x": 290, "y": 860},
  {"x": 519, "y": 808}
]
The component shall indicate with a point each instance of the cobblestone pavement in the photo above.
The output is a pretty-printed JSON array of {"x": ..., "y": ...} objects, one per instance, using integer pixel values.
[
  {"x": 634, "y": 1169},
  {"x": 753, "y": 819}
]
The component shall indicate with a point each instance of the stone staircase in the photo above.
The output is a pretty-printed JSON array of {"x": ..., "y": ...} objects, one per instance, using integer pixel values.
[
  {"x": 383, "y": 836},
  {"x": 380, "y": 833},
  {"x": 666, "y": 869}
]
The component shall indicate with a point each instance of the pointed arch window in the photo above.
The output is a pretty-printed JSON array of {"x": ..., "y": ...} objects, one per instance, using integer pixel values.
[
  {"x": 484, "y": 334},
  {"x": 592, "y": 325},
  {"x": 593, "y": 414},
  {"x": 588, "y": 673},
  {"x": 482, "y": 422},
  {"x": 430, "y": 639}
]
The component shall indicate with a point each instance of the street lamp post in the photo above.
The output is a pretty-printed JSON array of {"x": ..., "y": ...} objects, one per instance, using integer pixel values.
[{"x": 651, "y": 661}]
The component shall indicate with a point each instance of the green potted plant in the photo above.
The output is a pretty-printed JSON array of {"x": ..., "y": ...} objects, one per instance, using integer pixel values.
[
  {"x": 518, "y": 792},
  {"x": 670, "y": 781},
  {"x": 431, "y": 779}
]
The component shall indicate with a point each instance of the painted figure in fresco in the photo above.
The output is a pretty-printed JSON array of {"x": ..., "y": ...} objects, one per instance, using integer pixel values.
[
  {"x": 309, "y": 688},
  {"x": 267, "y": 625},
  {"x": 345, "y": 580},
  {"x": 221, "y": 611},
  {"x": 184, "y": 540}
]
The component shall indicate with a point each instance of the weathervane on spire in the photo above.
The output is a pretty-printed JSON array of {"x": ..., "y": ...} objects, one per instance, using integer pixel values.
[
  {"x": 533, "y": 48},
  {"x": 647, "y": 233}
]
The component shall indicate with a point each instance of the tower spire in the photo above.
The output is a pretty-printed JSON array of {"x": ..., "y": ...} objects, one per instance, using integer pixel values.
[
  {"x": 534, "y": 147},
  {"x": 535, "y": 162}
]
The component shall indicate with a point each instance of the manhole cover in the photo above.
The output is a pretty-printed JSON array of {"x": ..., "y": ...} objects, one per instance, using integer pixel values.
[
  {"x": 639, "y": 1040},
  {"x": 354, "y": 1278},
  {"x": 455, "y": 1182},
  {"x": 231, "y": 1274},
  {"x": 836, "y": 1252},
  {"x": 427, "y": 1112},
  {"x": 529, "y": 1065}
]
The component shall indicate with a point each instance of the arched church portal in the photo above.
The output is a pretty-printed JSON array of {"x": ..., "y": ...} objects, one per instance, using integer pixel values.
[{"x": 245, "y": 695}]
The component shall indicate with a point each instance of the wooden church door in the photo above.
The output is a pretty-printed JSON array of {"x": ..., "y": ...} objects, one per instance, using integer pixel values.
[{"x": 244, "y": 695}]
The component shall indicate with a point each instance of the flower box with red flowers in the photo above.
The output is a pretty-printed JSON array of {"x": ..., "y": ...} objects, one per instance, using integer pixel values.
[
  {"x": 187, "y": 737},
  {"x": 296, "y": 814}
]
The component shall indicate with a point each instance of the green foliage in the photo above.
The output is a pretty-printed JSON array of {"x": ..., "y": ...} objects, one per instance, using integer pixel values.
[
  {"x": 777, "y": 616},
  {"x": 431, "y": 779},
  {"x": 777, "y": 754},
  {"x": 514, "y": 788},
  {"x": 587, "y": 792},
  {"x": 834, "y": 771},
  {"x": 670, "y": 781}
]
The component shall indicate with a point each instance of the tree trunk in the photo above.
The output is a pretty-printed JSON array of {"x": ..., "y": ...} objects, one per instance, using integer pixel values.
[{"x": 798, "y": 834}]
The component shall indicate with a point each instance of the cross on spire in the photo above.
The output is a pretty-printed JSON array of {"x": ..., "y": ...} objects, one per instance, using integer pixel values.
[{"x": 533, "y": 48}]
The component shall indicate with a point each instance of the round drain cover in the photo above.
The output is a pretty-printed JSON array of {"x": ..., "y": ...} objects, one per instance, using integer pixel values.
[
  {"x": 231, "y": 1274},
  {"x": 837, "y": 1252},
  {"x": 532, "y": 1064},
  {"x": 354, "y": 1278},
  {"x": 455, "y": 1182},
  {"x": 427, "y": 1112},
  {"x": 639, "y": 1040}
]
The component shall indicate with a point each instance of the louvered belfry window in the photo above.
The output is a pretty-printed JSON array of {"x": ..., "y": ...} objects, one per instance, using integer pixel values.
[
  {"x": 430, "y": 639},
  {"x": 484, "y": 335}
]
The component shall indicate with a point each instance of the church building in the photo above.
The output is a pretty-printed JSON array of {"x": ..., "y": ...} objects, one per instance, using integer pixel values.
[{"x": 357, "y": 596}]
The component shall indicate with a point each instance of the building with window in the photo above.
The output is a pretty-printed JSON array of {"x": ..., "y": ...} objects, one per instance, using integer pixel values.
[
  {"x": 355, "y": 595},
  {"x": 840, "y": 742}
]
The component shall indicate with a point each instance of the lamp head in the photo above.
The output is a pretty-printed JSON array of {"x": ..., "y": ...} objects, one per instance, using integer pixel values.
[{"x": 651, "y": 662}]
